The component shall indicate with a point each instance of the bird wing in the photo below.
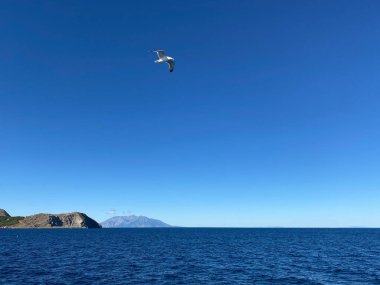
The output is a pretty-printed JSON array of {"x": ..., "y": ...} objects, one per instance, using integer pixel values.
[
  {"x": 171, "y": 65},
  {"x": 160, "y": 53}
]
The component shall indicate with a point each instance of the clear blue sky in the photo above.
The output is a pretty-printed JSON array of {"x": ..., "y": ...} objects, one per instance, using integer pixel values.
[{"x": 271, "y": 118}]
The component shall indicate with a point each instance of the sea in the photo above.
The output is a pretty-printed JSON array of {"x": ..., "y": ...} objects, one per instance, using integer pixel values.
[{"x": 190, "y": 256}]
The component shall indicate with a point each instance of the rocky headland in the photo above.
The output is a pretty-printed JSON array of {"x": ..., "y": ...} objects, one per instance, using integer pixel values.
[
  {"x": 4, "y": 213},
  {"x": 48, "y": 221}
]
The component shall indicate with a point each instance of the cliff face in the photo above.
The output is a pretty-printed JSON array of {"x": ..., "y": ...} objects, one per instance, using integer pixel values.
[
  {"x": 4, "y": 213},
  {"x": 69, "y": 220}
]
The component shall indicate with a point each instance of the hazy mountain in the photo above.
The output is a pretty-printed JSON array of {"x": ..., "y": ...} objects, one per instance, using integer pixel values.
[{"x": 133, "y": 222}]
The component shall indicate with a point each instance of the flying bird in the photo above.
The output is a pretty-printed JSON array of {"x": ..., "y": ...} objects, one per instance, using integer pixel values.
[{"x": 163, "y": 58}]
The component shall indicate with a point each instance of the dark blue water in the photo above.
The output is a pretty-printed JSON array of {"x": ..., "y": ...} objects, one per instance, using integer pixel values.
[{"x": 190, "y": 256}]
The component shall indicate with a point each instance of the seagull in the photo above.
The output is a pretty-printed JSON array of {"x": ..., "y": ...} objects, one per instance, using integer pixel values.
[{"x": 163, "y": 58}]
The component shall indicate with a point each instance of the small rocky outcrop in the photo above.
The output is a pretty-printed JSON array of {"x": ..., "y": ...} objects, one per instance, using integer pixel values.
[
  {"x": 69, "y": 220},
  {"x": 4, "y": 213}
]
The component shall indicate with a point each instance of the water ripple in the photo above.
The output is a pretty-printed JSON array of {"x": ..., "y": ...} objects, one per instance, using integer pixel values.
[{"x": 190, "y": 256}]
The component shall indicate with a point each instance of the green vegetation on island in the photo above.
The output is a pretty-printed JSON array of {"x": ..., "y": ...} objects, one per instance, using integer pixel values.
[{"x": 10, "y": 221}]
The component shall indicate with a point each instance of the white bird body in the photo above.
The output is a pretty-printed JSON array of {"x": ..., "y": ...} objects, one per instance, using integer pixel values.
[{"x": 163, "y": 58}]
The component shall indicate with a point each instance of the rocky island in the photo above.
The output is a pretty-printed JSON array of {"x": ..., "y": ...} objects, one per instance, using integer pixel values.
[{"x": 68, "y": 220}]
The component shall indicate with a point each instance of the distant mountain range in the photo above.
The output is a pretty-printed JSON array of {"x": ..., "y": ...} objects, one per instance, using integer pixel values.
[{"x": 133, "y": 222}]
